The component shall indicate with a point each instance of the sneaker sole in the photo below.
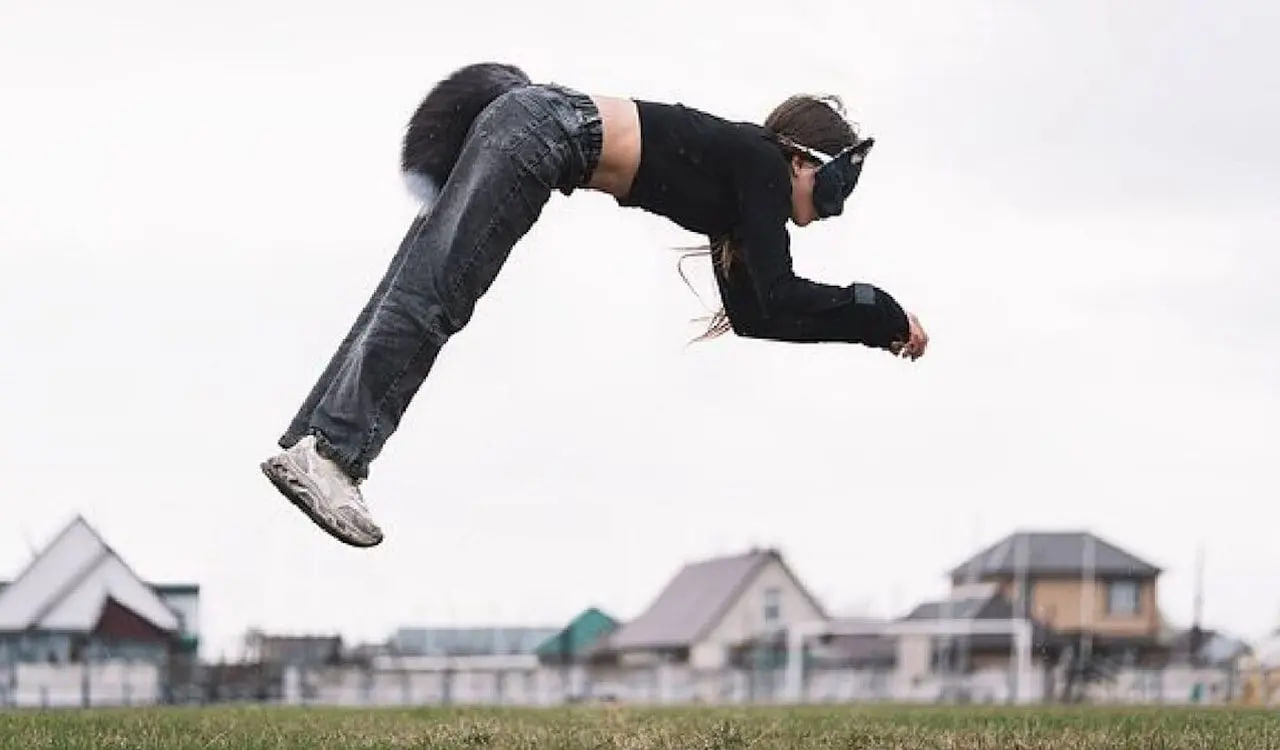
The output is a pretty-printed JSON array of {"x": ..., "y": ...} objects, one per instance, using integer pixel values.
[{"x": 298, "y": 494}]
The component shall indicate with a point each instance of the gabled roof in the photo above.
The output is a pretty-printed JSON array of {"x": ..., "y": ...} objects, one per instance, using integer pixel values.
[
  {"x": 579, "y": 636},
  {"x": 1054, "y": 553},
  {"x": 67, "y": 585},
  {"x": 695, "y": 600},
  {"x": 978, "y": 602},
  {"x": 176, "y": 589}
]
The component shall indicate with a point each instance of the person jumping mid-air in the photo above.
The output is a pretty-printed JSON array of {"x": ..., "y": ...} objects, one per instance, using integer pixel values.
[{"x": 484, "y": 152}]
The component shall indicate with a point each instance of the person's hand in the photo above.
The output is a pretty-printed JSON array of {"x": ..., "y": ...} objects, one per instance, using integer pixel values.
[{"x": 917, "y": 340}]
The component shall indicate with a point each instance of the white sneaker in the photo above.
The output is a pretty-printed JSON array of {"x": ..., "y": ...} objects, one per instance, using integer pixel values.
[{"x": 324, "y": 492}]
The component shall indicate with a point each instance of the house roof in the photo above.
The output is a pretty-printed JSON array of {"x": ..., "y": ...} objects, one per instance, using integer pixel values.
[
  {"x": 580, "y": 635},
  {"x": 861, "y": 650},
  {"x": 996, "y": 608},
  {"x": 1053, "y": 553},
  {"x": 469, "y": 641},
  {"x": 176, "y": 589},
  {"x": 978, "y": 602},
  {"x": 695, "y": 600},
  {"x": 67, "y": 585},
  {"x": 967, "y": 602},
  {"x": 1214, "y": 647}
]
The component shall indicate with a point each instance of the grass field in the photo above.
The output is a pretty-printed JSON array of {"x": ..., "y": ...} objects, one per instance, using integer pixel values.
[{"x": 692, "y": 729}]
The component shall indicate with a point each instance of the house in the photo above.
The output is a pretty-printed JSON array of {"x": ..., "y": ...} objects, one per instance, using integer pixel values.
[
  {"x": 1075, "y": 583},
  {"x": 854, "y": 643},
  {"x": 577, "y": 640},
  {"x": 960, "y": 652},
  {"x": 469, "y": 641},
  {"x": 292, "y": 650},
  {"x": 1096, "y": 603},
  {"x": 1207, "y": 647},
  {"x": 78, "y": 597},
  {"x": 711, "y": 612},
  {"x": 529, "y": 665},
  {"x": 78, "y": 603}
]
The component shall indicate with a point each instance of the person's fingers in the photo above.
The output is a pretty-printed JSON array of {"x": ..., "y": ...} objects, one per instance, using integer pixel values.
[{"x": 921, "y": 341}]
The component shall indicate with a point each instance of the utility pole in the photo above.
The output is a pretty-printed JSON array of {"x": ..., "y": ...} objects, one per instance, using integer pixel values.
[
  {"x": 1195, "y": 642},
  {"x": 1089, "y": 603},
  {"x": 1022, "y": 594}
]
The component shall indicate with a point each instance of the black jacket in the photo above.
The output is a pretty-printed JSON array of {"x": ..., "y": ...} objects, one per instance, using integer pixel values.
[{"x": 731, "y": 182}]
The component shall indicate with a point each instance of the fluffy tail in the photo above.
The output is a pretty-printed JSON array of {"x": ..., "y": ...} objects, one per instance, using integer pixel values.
[{"x": 439, "y": 127}]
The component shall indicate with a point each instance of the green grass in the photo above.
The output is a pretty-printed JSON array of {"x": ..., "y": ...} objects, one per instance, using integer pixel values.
[{"x": 627, "y": 728}]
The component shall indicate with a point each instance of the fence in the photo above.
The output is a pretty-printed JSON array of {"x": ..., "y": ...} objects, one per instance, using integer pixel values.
[
  {"x": 130, "y": 683},
  {"x": 109, "y": 683},
  {"x": 678, "y": 685}
]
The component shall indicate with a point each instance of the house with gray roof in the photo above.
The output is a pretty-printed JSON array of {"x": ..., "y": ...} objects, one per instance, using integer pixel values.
[
  {"x": 1085, "y": 592},
  {"x": 1066, "y": 554},
  {"x": 1073, "y": 582},
  {"x": 712, "y": 607},
  {"x": 977, "y": 602}
]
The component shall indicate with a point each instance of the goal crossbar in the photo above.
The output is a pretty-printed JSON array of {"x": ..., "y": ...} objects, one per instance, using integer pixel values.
[{"x": 1020, "y": 631}]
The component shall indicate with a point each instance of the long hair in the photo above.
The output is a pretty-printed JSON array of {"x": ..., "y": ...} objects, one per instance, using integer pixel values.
[
  {"x": 438, "y": 128},
  {"x": 815, "y": 121},
  {"x": 719, "y": 250}
]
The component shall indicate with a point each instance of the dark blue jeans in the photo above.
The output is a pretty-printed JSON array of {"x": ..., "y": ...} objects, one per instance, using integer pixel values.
[{"x": 525, "y": 144}]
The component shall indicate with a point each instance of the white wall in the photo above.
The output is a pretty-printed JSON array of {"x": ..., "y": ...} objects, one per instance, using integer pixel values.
[
  {"x": 415, "y": 687},
  {"x": 483, "y": 663},
  {"x": 915, "y": 655},
  {"x": 745, "y": 618},
  {"x": 109, "y": 683},
  {"x": 1174, "y": 685},
  {"x": 674, "y": 684}
]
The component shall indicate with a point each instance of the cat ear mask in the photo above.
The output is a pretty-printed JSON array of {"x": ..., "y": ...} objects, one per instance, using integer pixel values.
[{"x": 837, "y": 175}]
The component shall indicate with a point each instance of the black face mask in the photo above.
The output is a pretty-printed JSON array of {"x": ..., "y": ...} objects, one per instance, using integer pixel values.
[{"x": 837, "y": 176}]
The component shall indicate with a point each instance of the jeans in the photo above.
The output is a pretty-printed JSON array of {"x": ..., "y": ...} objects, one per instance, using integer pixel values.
[{"x": 525, "y": 144}]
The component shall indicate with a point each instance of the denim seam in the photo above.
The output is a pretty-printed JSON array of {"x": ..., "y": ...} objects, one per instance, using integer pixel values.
[
  {"x": 291, "y": 437},
  {"x": 454, "y": 284},
  {"x": 587, "y": 135},
  {"x": 327, "y": 449}
]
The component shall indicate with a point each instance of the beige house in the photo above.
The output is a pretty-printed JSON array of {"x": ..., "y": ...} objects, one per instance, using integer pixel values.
[
  {"x": 1073, "y": 583},
  {"x": 712, "y": 606}
]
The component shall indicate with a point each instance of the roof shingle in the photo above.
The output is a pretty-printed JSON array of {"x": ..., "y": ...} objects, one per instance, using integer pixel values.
[
  {"x": 1054, "y": 553},
  {"x": 691, "y": 603},
  {"x": 66, "y": 586}
]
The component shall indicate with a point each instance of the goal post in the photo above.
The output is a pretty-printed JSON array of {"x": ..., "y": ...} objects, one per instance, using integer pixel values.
[{"x": 1020, "y": 630}]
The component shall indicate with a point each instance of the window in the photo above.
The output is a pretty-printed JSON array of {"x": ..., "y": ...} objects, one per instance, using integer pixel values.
[
  {"x": 772, "y": 606},
  {"x": 1122, "y": 598}
]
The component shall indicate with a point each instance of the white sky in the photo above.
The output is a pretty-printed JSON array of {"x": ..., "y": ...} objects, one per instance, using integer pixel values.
[{"x": 1078, "y": 199}]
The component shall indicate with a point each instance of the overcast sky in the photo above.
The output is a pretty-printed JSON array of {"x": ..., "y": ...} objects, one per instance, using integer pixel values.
[{"x": 1078, "y": 199}]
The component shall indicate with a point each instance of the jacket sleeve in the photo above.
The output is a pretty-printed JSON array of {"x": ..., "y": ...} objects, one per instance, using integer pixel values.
[{"x": 763, "y": 296}]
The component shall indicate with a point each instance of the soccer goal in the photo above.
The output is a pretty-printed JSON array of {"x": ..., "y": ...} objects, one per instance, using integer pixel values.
[{"x": 1022, "y": 677}]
